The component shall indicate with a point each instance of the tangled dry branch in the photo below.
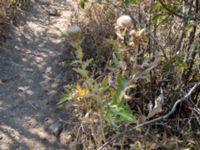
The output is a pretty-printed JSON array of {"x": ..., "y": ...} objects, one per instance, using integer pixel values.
[{"x": 173, "y": 108}]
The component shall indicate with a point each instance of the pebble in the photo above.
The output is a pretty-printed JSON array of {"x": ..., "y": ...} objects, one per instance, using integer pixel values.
[
  {"x": 1, "y": 137},
  {"x": 56, "y": 128},
  {"x": 53, "y": 12}
]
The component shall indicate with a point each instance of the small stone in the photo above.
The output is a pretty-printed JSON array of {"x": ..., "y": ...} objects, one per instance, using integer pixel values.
[
  {"x": 28, "y": 69},
  {"x": 53, "y": 12},
  {"x": 1, "y": 82},
  {"x": 22, "y": 88},
  {"x": 56, "y": 128},
  {"x": 48, "y": 70}
]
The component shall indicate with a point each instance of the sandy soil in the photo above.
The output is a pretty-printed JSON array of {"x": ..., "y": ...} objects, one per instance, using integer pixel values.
[{"x": 31, "y": 76}]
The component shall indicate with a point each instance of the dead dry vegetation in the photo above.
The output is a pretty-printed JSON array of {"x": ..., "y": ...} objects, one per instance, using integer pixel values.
[{"x": 137, "y": 68}]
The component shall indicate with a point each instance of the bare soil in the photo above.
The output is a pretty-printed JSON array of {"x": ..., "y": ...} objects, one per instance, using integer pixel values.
[{"x": 31, "y": 78}]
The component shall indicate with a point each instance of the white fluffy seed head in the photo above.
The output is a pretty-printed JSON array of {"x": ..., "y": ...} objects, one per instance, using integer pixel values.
[
  {"x": 73, "y": 29},
  {"x": 124, "y": 21}
]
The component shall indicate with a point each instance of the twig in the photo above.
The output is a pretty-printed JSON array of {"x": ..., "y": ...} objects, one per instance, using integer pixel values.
[
  {"x": 173, "y": 108},
  {"x": 105, "y": 144},
  {"x": 191, "y": 56},
  {"x": 123, "y": 94},
  {"x": 161, "y": 47},
  {"x": 193, "y": 17},
  {"x": 191, "y": 61},
  {"x": 33, "y": 106},
  {"x": 180, "y": 39},
  {"x": 169, "y": 10},
  {"x": 78, "y": 132}
]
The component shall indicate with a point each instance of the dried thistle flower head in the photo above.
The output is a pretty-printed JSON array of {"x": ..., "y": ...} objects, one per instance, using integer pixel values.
[
  {"x": 122, "y": 25},
  {"x": 136, "y": 37},
  {"x": 132, "y": 33},
  {"x": 74, "y": 32},
  {"x": 141, "y": 32},
  {"x": 124, "y": 21}
]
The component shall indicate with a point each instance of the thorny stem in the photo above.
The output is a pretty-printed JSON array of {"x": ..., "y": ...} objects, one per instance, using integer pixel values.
[
  {"x": 161, "y": 48},
  {"x": 105, "y": 144}
]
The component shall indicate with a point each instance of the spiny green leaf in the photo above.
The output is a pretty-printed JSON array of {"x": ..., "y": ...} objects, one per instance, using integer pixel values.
[
  {"x": 115, "y": 60},
  {"x": 64, "y": 99},
  {"x": 127, "y": 116},
  {"x": 120, "y": 86},
  {"x": 76, "y": 62},
  {"x": 79, "y": 53},
  {"x": 86, "y": 63},
  {"x": 82, "y": 72},
  {"x": 68, "y": 88}
]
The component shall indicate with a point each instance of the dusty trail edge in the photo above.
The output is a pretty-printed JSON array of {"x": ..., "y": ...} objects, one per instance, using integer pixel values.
[{"x": 31, "y": 76}]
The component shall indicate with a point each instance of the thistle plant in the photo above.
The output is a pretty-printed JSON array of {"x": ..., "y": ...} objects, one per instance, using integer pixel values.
[{"x": 94, "y": 94}]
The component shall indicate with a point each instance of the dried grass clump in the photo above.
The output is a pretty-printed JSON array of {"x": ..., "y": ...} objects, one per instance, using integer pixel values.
[{"x": 97, "y": 24}]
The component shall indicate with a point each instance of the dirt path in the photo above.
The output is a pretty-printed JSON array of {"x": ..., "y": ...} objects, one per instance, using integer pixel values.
[{"x": 30, "y": 77}]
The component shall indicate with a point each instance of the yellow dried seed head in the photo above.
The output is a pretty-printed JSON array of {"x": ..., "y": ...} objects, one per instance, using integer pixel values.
[
  {"x": 141, "y": 33},
  {"x": 137, "y": 37},
  {"x": 132, "y": 33}
]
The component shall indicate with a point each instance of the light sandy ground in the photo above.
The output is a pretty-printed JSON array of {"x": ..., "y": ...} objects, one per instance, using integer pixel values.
[{"x": 30, "y": 78}]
